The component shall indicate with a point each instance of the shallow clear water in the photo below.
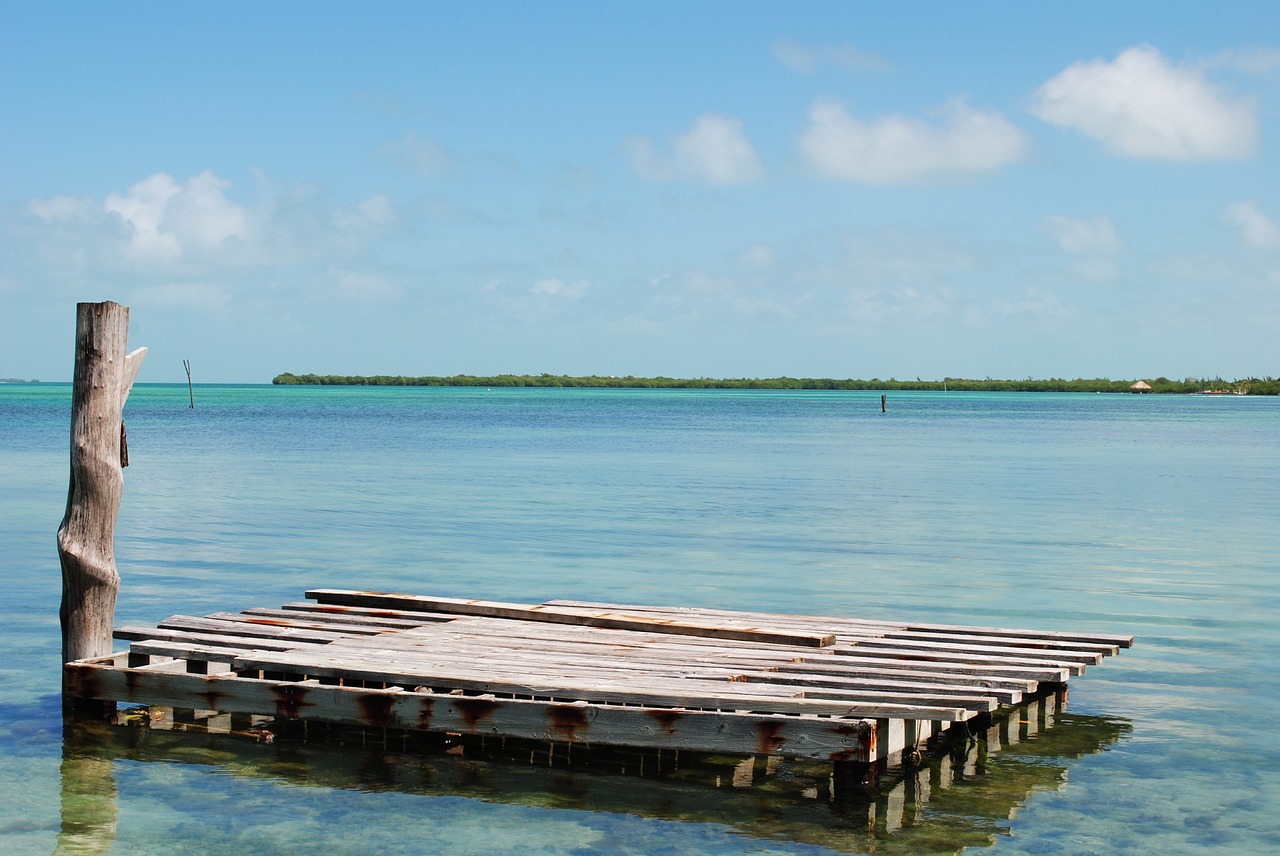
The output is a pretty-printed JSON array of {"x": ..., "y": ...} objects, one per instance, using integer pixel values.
[{"x": 1149, "y": 515}]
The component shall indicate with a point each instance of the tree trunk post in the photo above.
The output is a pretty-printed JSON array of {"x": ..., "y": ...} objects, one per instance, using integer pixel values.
[{"x": 104, "y": 375}]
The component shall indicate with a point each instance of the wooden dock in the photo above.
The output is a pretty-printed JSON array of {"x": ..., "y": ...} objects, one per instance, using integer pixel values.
[{"x": 837, "y": 689}]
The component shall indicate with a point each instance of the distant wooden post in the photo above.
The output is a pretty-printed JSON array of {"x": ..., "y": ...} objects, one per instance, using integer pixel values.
[{"x": 86, "y": 539}]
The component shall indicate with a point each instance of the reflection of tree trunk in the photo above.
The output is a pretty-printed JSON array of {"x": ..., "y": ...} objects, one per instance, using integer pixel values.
[{"x": 89, "y": 807}]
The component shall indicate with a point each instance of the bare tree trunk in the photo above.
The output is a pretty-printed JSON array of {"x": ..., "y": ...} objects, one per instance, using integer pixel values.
[{"x": 86, "y": 539}]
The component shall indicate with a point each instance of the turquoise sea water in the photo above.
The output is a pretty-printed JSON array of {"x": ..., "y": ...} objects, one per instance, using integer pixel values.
[{"x": 1151, "y": 515}]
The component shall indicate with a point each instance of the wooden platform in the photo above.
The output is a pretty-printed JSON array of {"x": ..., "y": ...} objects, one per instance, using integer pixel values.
[{"x": 576, "y": 672}]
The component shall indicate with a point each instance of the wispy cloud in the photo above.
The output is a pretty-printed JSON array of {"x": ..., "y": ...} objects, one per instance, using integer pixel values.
[
  {"x": 1256, "y": 61},
  {"x": 715, "y": 150},
  {"x": 418, "y": 155},
  {"x": 1094, "y": 236},
  {"x": 900, "y": 149},
  {"x": 362, "y": 286},
  {"x": 1140, "y": 105},
  {"x": 1257, "y": 229},
  {"x": 182, "y": 295},
  {"x": 1032, "y": 303},
  {"x": 187, "y": 244},
  {"x": 558, "y": 288},
  {"x": 808, "y": 59}
]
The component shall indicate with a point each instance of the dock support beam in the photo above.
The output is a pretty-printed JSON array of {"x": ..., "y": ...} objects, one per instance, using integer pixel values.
[{"x": 103, "y": 377}]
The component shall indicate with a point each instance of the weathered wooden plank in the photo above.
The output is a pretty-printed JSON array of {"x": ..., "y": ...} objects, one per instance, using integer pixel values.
[
  {"x": 1047, "y": 646},
  {"x": 866, "y": 684},
  {"x": 241, "y": 628},
  {"x": 947, "y": 657},
  {"x": 502, "y": 632},
  {"x": 186, "y": 650},
  {"x": 558, "y": 616},
  {"x": 695, "y": 613},
  {"x": 1116, "y": 639},
  {"x": 901, "y": 691},
  {"x": 634, "y": 689},
  {"x": 463, "y": 649},
  {"x": 415, "y": 617},
  {"x": 586, "y": 639},
  {"x": 974, "y": 675},
  {"x": 398, "y": 618},
  {"x": 344, "y": 628},
  {"x": 1082, "y": 658},
  {"x": 1007, "y": 691},
  {"x": 641, "y": 727},
  {"x": 133, "y": 632}
]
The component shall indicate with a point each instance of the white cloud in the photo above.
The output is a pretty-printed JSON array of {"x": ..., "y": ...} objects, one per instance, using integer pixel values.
[
  {"x": 1142, "y": 106},
  {"x": 898, "y": 149},
  {"x": 807, "y": 59},
  {"x": 1096, "y": 236},
  {"x": 167, "y": 219},
  {"x": 715, "y": 150},
  {"x": 420, "y": 156},
  {"x": 1257, "y": 229},
  {"x": 560, "y": 289}
]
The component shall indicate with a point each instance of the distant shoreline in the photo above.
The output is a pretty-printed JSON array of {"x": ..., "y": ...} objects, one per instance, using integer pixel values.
[{"x": 1160, "y": 385}]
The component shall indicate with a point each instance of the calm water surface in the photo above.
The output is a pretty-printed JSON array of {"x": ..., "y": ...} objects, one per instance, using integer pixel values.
[{"x": 1150, "y": 515}]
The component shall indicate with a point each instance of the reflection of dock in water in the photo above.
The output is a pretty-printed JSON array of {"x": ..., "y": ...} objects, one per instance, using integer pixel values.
[{"x": 961, "y": 791}]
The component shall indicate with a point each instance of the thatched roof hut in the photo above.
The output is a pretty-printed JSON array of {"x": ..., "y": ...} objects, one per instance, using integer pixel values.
[{"x": 1141, "y": 386}]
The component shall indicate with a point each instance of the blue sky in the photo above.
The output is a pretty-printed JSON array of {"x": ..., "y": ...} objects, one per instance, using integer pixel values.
[{"x": 745, "y": 189}]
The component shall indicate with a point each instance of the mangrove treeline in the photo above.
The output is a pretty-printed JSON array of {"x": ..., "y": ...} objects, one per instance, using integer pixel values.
[{"x": 1250, "y": 386}]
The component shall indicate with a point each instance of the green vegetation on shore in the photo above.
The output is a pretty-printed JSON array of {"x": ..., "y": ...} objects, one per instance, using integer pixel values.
[{"x": 1250, "y": 386}]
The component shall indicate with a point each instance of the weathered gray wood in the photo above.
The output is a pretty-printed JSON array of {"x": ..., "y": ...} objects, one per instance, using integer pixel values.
[
  {"x": 415, "y": 617},
  {"x": 103, "y": 377},
  {"x": 186, "y": 651},
  {"x": 911, "y": 683},
  {"x": 942, "y": 657},
  {"x": 1082, "y": 657},
  {"x": 1046, "y": 646},
  {"x": 936, "y": 676},
  {"x": 612, "y": 620},
  {"x": 242, "y": 628},
  {"x": 131, "y": 632},
  {"x": 866, "y": 683},
  {"x": 644, "y": 727},
  {"x": 341, "y": 628},
  {"x": 543, "y": 660},
  {"x": 1116, "y": 639},
  {"x": 503, "y": 629},
  {"x": 633, "y": 689},
  {"x": 289, "y": 611}
]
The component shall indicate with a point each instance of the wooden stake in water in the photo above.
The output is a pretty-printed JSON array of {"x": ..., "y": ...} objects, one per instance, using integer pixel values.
[
  {"x": 103, "y": 377},
  {"x": 190, "y": 389}
]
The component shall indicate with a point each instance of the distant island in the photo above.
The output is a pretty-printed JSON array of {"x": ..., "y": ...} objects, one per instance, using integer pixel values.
[
  {"x": 16, "y": 380},
  {"x": 1203, "y": 386}
]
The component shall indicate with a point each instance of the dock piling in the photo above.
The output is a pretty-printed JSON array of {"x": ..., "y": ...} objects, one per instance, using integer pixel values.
[{"x": 104, "y": 375}]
